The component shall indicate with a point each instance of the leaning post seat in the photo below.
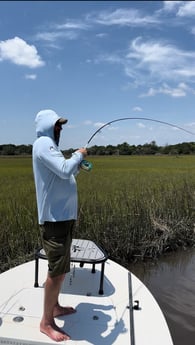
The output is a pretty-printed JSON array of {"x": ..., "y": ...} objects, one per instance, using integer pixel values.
[{"x": 82, "y": 251}]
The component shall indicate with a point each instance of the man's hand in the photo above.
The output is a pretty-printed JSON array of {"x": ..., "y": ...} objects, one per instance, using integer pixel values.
[{"x": 83, "y": 151}]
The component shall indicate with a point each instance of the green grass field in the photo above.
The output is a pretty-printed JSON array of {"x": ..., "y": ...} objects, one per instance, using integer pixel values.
[{"x": 136, "y": 207}]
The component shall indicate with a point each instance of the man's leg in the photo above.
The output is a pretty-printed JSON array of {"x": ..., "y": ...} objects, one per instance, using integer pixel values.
[
  {"x": 47, "y": 325},
  {"x": 52, "y": 233}
]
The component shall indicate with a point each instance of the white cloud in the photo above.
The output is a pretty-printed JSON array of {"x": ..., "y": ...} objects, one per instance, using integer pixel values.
[
  {"x": 187, "y": 9},
  {"x": 170, "y": 6},
  {"x": 141, "y": 125},
  {"x": 101, "y": 35},
  {"x": 122, "y": 17},
  {"x": 180, "y": 8},
  {"x": 155, "y": 62},
  {"x": 70, "y": 30},
  {"x": 137, "y": 109},
  {"x": 192, "y": 124},
  {"x": 55, "y": 35},
  {"x": 31, "y": 76},
  {"x": 165, "y": 89},
  {"x": 158, "y": 60},
  {"x": 20, "y": 53},
  {"x": 112, "y": 128},
  {"x": 76, "y": 25},
  {"x": 179, "y": 91},
  {"x": 193, "y": 30},
  {"x": 98, "y": 124},
  {"x": 72, "y": 126}
]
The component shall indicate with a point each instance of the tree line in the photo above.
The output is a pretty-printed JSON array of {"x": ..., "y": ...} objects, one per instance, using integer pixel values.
[{"x": 120, "y": 149}]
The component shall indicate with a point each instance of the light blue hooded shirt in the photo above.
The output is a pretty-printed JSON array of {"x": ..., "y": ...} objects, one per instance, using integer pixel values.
[{"x": 56, "y": 188}]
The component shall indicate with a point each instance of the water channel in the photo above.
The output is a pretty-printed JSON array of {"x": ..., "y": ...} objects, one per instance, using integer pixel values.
[{"x": 171, "y": 280}]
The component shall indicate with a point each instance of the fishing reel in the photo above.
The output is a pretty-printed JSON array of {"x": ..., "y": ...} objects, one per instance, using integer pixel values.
[{"x": 86, "y": 165}]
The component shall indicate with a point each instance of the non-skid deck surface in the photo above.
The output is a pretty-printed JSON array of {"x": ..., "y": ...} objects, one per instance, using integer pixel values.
[{"x": 99, "y": 320}]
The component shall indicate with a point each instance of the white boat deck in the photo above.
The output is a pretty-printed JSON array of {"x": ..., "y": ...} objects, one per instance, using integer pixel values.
[{"x": 100, "y": 319}]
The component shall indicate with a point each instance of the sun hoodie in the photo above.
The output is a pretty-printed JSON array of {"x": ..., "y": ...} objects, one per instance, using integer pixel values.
[{"x": 56, "y": 188}]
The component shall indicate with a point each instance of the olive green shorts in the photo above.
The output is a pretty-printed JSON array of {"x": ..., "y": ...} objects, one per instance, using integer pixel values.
[{"x": 56, "y": 241}]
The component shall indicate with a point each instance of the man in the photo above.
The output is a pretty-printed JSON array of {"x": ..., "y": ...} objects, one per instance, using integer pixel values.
[{"x": 56, "y": 194}]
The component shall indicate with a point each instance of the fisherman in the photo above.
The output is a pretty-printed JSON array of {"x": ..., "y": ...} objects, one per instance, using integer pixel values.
[{"x": 56, "y": 195}]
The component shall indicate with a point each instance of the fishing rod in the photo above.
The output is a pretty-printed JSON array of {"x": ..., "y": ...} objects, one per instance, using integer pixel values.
[
  {"x": 136, "y": 118},
  {"x": 87, "y": 165}
]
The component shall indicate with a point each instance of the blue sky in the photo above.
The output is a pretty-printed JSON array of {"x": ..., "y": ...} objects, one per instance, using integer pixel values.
[{"x": 96, "y": 61}]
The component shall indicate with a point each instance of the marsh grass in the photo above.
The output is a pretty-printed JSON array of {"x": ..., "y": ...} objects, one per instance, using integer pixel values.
[
  {"x": 134, "y": 207},
  {"x": 138, "y": 207},
  {"x": 18, "y": 218}
]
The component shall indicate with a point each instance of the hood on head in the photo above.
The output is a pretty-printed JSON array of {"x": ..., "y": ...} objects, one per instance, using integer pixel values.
[{"x": 45, "y": 121}]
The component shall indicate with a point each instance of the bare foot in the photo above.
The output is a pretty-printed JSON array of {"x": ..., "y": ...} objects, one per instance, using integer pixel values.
[
  {"x": 54, "y": 332},
  {"x": 60, "y": 311}
]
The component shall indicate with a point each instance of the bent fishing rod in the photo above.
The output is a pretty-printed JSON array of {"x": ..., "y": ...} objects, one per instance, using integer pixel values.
[
  {"x": 87, "y": 165},
  {"x": 136, "y": 118}
]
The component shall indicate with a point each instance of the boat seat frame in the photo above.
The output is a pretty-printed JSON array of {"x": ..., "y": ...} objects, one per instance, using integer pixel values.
[{"x": 82, "y": 251}]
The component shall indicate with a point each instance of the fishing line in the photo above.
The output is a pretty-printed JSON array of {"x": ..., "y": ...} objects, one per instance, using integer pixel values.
[{"x": 88, "y": 166}]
